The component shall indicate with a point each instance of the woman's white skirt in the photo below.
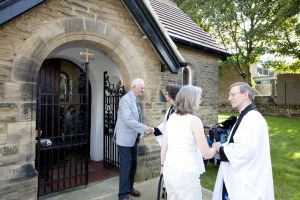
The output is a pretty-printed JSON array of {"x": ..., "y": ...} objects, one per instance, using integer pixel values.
[{"x": 182, "y": 185}]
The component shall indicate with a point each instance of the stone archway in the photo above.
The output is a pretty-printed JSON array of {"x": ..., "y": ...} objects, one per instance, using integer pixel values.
[{"x": 52, "y": 35}]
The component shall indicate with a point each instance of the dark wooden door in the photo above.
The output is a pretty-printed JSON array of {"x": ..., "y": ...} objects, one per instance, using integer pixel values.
[
  {"x": 63, "y": 126},
  {"x": 48, "y": 91}
]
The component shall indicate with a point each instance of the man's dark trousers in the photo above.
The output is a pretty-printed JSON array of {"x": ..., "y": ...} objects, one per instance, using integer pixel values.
[{"x": 128, "y": 163}]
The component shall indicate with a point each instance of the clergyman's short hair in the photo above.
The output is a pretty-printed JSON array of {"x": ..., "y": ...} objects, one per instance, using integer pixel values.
[
  {"x": 172, "y": 90},
  {"x": 186, "y": 99},
  {"x": 245, "y": 87}
]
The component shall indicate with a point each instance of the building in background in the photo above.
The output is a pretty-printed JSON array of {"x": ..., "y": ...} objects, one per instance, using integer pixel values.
[{"x": 265, "y": 80}]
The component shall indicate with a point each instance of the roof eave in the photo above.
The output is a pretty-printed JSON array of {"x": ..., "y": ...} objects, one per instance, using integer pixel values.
[
  {"x": 148, "y": 24},
  {"x": 221, "y": 54},
  {"x": 17, "y": 8}
]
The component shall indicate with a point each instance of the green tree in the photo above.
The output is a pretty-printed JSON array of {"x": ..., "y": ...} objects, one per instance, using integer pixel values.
[
  {"x": 283, "y": 67},
  {"x": 285, "y": 41},
  {"x": 243, "y": 27}
]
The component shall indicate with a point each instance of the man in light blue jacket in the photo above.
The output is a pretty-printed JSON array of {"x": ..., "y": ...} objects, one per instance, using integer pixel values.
[{"x": 128, "y": 130}]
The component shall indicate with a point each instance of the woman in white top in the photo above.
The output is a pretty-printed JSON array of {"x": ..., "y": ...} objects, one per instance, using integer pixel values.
[
  {"x": 184, "y": 147},
  {"x": 171, "y": 92}
]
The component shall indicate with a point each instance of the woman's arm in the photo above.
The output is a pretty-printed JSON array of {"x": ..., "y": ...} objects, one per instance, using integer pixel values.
[{"x": 198, "y": 132}]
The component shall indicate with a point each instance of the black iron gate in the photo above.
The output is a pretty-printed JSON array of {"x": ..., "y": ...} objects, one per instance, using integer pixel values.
[
  {"x": 112, "y": 95},
  {"x": 62, "y": 142}
]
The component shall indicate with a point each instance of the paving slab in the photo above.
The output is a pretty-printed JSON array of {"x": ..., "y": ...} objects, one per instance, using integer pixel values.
[{"x": 108, "y": 190}]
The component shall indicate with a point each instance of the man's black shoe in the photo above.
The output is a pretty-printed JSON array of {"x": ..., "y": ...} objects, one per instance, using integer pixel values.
[{"x": 134, "y": 193}]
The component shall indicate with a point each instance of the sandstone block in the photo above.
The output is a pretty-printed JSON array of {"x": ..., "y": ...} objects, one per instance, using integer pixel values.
[
  {"x": 10, "y": 117},
  {"x": 19, "y": 132},
  {"x": 2, "y": 174},
  {"x": 8, "y": 108},
  {"x": 27, "y": 112},
  {"x": 73, "y": 25},
  {"x": 5, "y": 160},
  {"x": 5, "y": 72},
  {"x": 23, "y": 190},
  {"x": 95, "y": 26},
  {"x": 24, "y": 171},
  {"x": 25, "y": 69},
  {"x": 9, "y": 149}
]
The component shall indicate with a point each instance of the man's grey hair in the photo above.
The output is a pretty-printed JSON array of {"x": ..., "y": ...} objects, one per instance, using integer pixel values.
[
  {"x": 186, "y": 99},
  {"x": 245, "y": 87},
  {"x": 136, "y": 82}
]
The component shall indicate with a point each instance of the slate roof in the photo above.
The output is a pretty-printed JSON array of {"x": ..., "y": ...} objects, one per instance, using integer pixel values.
[{"x": 182, "y": 29}]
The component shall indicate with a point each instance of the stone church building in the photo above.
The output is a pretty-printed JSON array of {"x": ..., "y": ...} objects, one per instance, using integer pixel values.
[{"x": 64, "y": 64}]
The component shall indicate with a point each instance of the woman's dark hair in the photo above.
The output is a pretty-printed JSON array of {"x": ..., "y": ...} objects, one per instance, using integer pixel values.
[{"x": 172, "y": 90}]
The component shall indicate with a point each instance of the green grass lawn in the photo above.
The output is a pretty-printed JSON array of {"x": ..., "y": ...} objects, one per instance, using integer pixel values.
[{"x": 285, "y": 155}]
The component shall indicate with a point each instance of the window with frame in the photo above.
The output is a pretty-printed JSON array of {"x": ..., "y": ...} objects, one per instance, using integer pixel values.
[
  {"x": 186, "y": 76},
  {"x": 64, "y": 86}
]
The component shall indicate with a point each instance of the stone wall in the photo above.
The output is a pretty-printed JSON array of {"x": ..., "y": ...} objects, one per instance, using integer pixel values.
[
  {"x": 267, "y": 107},
  {"x": 205, "y": 73},
  {"x": 228, "y": 75},
  {"x": 279, "y": 110},
  {"x": 288, "y": 90}
]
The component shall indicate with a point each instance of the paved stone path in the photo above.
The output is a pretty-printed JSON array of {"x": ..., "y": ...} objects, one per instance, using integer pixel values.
[{"x": 108, "y": 190}]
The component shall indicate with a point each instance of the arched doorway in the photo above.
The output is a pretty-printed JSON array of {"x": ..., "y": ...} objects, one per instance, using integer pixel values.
[{"x": 63, "y": 129}]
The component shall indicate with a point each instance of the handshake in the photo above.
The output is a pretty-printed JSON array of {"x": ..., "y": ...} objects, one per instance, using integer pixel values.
[
  {"x": 149, "y": 131},
  {"x": 217, "y": 146}
]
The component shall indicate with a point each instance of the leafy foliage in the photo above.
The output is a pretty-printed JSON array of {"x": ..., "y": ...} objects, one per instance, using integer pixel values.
[
  {"x": 281, "y": 66},
  {"x": 285, "y": 39},
  {"x": 245, "y": 28}
]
